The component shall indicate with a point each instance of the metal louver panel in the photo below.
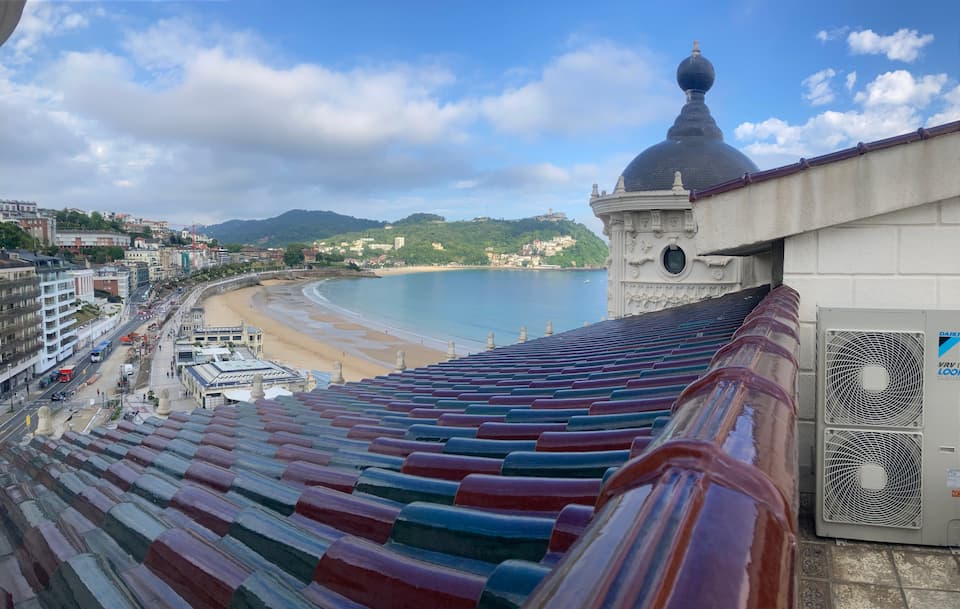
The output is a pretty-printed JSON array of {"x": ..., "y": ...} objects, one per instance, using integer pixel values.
[
  {"x": 872, "y": 477},
  {"x": 874, "y": 378}
]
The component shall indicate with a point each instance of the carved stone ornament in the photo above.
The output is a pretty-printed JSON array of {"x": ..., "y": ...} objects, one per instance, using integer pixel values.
[
  {"x": 646, "y": 297},
  {"x": 689, "y": 223}
]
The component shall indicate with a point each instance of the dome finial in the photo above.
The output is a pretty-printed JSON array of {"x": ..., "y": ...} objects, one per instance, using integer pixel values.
[{"x": 695, "y": 73}]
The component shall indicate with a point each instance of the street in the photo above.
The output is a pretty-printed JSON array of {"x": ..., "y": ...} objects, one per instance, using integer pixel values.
[{"x": 14, "y": 427}]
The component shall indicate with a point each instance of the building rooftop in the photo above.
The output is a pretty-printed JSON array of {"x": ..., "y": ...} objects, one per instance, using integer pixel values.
[
  {"x": 860, "y": 149},
  {"x": 544, "y": 474},
  {"x": 234, "y": 372}
]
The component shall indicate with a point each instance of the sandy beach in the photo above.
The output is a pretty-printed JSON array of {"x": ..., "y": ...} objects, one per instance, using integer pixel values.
[{"x": 301, "y": 335}]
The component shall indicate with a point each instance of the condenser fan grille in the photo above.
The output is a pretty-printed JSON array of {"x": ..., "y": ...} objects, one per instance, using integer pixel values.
[
  {"x": 872, "y": 478},
  {"x": 874, "y": 378}
]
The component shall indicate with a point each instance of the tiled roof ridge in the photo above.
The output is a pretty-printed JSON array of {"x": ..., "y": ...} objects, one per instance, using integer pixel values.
[
  {"x": 461, "y": 484},
  {"x": 923, "y": 133},
  {"x": 704, "y": 464}
]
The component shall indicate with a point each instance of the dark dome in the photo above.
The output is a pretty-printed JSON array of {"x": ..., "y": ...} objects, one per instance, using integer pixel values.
[
  {"x": 695, "y": 73},
  {"x": 694, "y": 145}
]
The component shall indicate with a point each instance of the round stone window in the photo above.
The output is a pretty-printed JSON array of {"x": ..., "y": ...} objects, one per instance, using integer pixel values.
[{"x": 674, "y": 260}]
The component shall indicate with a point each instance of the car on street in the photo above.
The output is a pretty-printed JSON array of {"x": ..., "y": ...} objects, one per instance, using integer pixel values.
[{"x": 59, "y": 396}]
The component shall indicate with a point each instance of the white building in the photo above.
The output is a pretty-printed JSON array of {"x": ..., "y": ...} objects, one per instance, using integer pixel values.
[
  {"x": 399, "y": 242},
  {"x": 653, "y": 262},
  {"x": 83, "y": 284},
  {"x": 208, "y": 383},
  {"x": 18, "y": 207},
  {"x": 79, "y": 239},
  {"x": 149, "y": 257},
  {"x": 871, "y": 227},
  {"x": 57, "y": 308}
]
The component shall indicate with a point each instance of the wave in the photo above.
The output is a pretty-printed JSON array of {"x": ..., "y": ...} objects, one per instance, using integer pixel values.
[{"x": 311, "y": 292}]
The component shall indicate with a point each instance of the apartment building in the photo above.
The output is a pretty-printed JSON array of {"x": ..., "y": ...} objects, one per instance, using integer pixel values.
[
  {"x": 57, "y": 308},
  {"x": 80, "y": 239},
  {"x": 117, "y": 281},
  {"x": 20, "y": 330},
  {"x": 149, "y": 257}
]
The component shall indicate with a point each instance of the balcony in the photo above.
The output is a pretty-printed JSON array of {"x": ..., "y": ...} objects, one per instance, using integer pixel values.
[
  {"x": 13, "y": 313},
  {"x": 18, "y": 295},
  {"x": 18, "y": 283}
]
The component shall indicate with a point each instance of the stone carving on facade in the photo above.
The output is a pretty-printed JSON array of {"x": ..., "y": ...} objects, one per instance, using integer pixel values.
[
  {"x": 656, "y": 222},
  {"x": 646, "y": 297},
  {"x": 689, "y": 223}
]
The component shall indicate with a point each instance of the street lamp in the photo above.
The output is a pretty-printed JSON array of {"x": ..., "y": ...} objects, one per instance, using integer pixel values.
[{"x": 10, "y": 381}]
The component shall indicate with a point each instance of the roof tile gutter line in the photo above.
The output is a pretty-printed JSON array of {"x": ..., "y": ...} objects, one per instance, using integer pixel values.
[
  {"x": 825, "y": 159},
  {"x": 706, "y": 516}
]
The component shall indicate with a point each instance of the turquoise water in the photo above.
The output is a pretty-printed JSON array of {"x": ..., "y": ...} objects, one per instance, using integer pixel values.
[{"x": 464, "y": 305}]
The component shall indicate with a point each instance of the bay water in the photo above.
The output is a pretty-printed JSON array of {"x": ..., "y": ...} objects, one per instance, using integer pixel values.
[{"x": 464, "y": 305}]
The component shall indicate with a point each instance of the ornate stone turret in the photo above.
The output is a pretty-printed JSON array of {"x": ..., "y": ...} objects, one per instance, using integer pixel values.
[
  {"x": 401, "y": 362},
  {"x": 549, "y": 331},
  {"x": 523, "y": 334},
  {"x": 44, "y": 424},
  {"x": 653, "y": 261},
  {"x": 490, "y": 345},
  {"x": 451, "y": 350},
  {"x": 337, "y": 377},
  {"x": 257, "y": 392},
  {"x": 163, "y": 404}
]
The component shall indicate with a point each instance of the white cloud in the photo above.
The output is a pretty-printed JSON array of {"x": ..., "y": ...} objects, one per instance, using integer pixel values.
[
  {"x": 818, "y": 90},
  {"x": 568, "y": 97},
  {"x": 208, "y": 124},
  {"x": 240, "y": 102},
  {"x": 951, "y": 110},
  {"x": 832, "y": 34},
  {"x": 851, "y": 81},
  {"x": 40, "y": 21},
  {"x": 901, "y": 88},
  {"x": 902, "y": 45},
  {"x": 893, "y": 103}
]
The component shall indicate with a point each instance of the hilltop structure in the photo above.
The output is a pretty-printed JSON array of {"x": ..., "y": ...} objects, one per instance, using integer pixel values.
[{"x": 653, "y": 261}]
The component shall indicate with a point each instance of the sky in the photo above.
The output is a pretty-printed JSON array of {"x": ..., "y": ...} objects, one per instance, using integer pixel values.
[{"x": 199, "y": 112}]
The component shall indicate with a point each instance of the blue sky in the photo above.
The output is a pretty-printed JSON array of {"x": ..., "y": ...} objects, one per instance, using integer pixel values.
[{"x": 205, "y": 111}]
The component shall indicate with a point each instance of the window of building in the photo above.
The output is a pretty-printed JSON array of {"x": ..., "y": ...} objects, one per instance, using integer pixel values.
[{"x": 674, "y": 260}]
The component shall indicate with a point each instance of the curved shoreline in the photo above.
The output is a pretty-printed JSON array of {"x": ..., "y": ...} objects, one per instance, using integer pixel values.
[{"x": 310, "y": 338}]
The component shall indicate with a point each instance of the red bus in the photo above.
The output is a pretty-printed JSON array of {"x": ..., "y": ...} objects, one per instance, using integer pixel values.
[{"x": 66, "y": 374}]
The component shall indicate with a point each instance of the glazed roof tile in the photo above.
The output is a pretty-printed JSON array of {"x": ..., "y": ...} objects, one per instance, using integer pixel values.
[{"x": 467, "y": 483}]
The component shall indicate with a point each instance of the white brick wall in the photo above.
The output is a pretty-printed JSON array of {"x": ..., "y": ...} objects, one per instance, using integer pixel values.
[{"x": 906, "y": 259}]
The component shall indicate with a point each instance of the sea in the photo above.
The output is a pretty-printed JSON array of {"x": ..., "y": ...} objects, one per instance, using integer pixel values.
[{"x": 464, "y": 305}]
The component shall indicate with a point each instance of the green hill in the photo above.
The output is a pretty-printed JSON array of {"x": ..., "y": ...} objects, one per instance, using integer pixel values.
[
  {"x": 293, "y": 226},
  {"x": 470, "y": 242}
]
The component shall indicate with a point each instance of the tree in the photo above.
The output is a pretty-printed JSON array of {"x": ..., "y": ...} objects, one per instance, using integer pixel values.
[
  {"x": 13, "y": 237},
  {"x": 293, "y": 255}
]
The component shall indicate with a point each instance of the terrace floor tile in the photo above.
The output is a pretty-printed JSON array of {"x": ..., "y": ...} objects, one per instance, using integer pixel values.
[
  {"x": 863, "y": 564},
  {"x": 867, "y": 596},
  {"x": 931, "y": 599},
  {"x": 932, "y": 571}
]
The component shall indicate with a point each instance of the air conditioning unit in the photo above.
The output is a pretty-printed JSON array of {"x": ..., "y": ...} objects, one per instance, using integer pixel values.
[{"x": 888, "y": 425}]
